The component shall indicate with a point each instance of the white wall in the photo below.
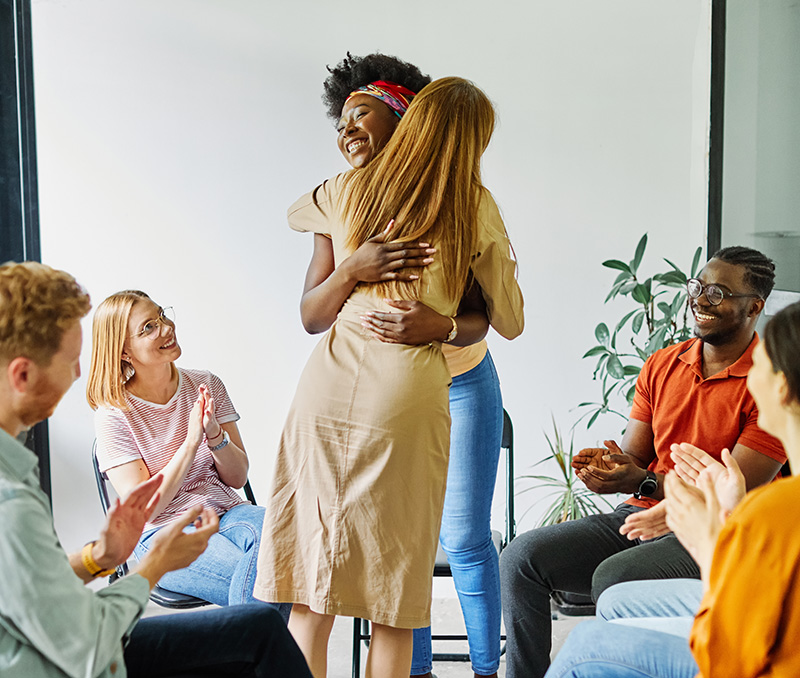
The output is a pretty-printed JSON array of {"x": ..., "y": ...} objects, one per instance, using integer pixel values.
[{"x": 173, "y": 135}]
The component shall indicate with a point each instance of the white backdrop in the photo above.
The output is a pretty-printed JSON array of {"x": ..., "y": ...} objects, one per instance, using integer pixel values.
[{"x": 173, "y": 135}]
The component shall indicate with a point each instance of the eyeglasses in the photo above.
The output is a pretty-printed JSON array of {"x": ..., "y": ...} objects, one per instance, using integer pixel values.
[
  {"x": 165, "y": 316},
  {"x": 714, "y": 294}
]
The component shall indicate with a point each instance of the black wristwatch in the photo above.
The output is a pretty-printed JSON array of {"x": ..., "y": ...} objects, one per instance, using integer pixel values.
[{"x": 648, "y": 487}]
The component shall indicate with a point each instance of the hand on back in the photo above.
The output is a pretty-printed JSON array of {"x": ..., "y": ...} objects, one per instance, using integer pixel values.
[{"x": 380, "y": 261}]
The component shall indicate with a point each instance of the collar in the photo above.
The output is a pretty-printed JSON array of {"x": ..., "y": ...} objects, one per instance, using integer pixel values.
[
  {"x": 16, "y": 460},
  {"x": 693, "y": 357}
]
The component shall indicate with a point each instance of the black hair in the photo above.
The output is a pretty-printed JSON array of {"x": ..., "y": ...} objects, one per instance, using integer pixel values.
[
  {"x": 781, "y": 341},
  {"x": 353, "y": 72},
  {"x": 760, "y": 269}
]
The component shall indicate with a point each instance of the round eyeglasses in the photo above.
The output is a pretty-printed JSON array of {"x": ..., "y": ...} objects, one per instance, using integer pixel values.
[
  {"x": 165, "y": 315},
  {"x": 714, "y": 294}
]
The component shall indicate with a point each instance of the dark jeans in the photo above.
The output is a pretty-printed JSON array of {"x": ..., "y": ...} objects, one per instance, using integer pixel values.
[
  {"x": 240, "y": 640},
  {"x": 580, "y": 556}
]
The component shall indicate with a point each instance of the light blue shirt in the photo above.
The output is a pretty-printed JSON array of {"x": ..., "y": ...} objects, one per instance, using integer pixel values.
[{"x": 50, "y": 623}]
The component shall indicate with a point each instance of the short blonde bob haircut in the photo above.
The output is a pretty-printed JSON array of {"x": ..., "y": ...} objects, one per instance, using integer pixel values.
[
  {"x": 37, "y": 305},
  {"x": 108, "y": 372}
]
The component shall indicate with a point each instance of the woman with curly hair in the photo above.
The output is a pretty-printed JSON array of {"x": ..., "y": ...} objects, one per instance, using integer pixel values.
[
  {"x": 366, "y": 114},
  {"x": 357, "y": 501}
]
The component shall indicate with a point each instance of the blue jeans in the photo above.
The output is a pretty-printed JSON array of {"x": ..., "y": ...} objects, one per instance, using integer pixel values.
[
  {"x": 246, "y": 641},
  {"x": 476, "y": 412},
  {"x": 226, "y": 571},
  {"x": 599, "y": 649},
  {"x": 667, "y": 605}
]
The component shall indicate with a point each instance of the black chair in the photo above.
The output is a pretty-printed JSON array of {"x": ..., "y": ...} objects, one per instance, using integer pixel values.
[
  {"x": 361, "y": 632},
  {"x": 159, "y": 595}
]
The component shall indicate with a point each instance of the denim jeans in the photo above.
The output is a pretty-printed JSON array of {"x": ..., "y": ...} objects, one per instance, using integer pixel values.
[
  {"x": 667, "y": 605},
  {"x": 600, "y": 649},
  {"x": 246, "y": 641},
  {"x": 580, "y": 556},
  {"x": 226, "y": 571},
  {"x": 476, "y": 412}
]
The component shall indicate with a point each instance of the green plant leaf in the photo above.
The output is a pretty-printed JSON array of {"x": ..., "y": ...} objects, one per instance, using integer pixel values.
[
  {"x": 629, "y": 395},
  {"x": 696, "y": 261},
  {"x": 615, "y": 368},
  {"x": 641, "y": 294},
  {"x": 636, "y": 325},
  {"x": 625, "y": 319},
  {"x": 631, "y": 370},
  {"x": 617, "y": 264},
  {"x": 595, "y": 350},
  {"x": 637, "y": 258},
  {"x": 665, "y": 308},
  {"x": 602, "y": 334},
  {"x": 628, "y": 287}
]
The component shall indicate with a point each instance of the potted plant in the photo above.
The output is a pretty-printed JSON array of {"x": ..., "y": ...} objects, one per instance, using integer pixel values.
[{"x": 659, "y": 319}]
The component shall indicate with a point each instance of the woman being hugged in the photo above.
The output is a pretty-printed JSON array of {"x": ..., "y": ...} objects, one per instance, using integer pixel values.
[
  {"x": 153, "y": 417},
  {"x": 354, "y": 518},
  {"x": 366, "y": 97}
]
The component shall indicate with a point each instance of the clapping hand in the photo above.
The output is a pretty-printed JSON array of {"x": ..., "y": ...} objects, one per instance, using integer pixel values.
[
  {"x": 607, "y": 470},
  {"x": 727, "y": 477},
  {"x": 694, "y": 515},
  {"x": 647, "y": 524},
  {"x": 124, "y": 524},
  {"x": 211, "y": 426}
]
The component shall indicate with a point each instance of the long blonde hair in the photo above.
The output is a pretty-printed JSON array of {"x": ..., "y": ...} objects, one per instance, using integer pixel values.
[
  {"x": 428, "y": 180},
  {"x": 108, "y": 372}
]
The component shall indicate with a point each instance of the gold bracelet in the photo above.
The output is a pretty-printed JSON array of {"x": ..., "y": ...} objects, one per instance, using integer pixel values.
[
  {"x": 453, "y": 332},
  {"x": 91, "y": 565}
]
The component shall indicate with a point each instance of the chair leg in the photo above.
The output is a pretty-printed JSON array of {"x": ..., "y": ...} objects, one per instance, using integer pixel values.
[{"x": 356, "y": 672}]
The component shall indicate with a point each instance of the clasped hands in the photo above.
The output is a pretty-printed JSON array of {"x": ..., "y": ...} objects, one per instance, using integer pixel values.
[
  {"x": 608, "y": 470},
  {"x": 203, "y": 419}
]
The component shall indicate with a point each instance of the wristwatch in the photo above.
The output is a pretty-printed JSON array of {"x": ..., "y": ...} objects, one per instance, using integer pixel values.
[{"x": 648, "y": 487}]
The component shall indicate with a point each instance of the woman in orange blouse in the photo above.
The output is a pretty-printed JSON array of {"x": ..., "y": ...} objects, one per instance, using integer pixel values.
[{"x": 749, "y": 619}]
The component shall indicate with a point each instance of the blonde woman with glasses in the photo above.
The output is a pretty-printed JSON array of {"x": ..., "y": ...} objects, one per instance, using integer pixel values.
[{"x": 152, "y": 417}]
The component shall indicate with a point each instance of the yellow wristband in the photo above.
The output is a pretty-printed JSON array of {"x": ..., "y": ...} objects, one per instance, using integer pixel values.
[{"x": 91, "y": 565}]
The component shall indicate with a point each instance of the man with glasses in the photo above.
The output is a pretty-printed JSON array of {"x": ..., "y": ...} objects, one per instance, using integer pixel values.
[{"x": 693, "y": 392}]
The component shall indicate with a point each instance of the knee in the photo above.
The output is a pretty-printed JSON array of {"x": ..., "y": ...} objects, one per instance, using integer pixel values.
[
  {"x": 517, "y": 561},
  {"x": 612, "y": 602},
  {"x": 575, "y": 657},
  {"x": 468, "y": 545},
  {"x": 613, "y": 571}
]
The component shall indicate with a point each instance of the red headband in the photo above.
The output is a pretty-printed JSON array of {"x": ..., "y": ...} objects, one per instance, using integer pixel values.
[{"x": 395, "y": 96}]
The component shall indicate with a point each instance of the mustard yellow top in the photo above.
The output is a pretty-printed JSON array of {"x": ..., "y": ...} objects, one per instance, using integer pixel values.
[
  {"x": 492, "y": 266},
  {"x": 749, "y": 619}
]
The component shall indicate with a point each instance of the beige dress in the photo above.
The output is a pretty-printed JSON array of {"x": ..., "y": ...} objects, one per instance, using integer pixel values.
[{"x": 353, "y": 521}]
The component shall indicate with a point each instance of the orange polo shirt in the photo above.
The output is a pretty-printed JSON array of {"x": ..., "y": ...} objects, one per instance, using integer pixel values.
[
  {"x": 683, "y": 407},
  {"x": 749, "y": 619}
]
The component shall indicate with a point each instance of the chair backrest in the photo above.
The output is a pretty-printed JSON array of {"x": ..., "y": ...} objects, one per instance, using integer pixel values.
[{"x": 507, "y": 443}]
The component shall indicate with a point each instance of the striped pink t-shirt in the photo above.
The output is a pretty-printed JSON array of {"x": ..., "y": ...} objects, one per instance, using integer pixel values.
[{"x": 153, "y": 433}]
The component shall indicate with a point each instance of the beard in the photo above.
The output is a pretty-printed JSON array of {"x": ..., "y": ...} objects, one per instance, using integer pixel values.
[{"x": 723, "y": 335}]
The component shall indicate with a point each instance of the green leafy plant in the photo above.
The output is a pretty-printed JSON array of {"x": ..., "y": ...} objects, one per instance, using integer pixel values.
[
  {"x": 572, "y": 498},
  {"x": 659, "y": 319}
]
